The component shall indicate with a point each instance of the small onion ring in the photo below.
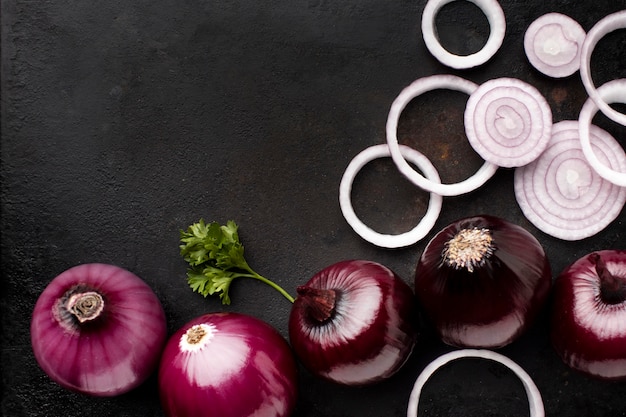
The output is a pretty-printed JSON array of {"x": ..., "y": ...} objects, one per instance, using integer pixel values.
[
  {"x": 552, "y": 43},
  {"x": 417, "y": 87},
  {"x": 561, "y": 194},
  {"x": 508, "y": 122},
  {"x": 387, "y": 240},
  {"x": 611, "y": 92},
  {"x": 497, "y": 28},
  {"x": 604, "y": 26},
  {"x": 532, "y": 392}
]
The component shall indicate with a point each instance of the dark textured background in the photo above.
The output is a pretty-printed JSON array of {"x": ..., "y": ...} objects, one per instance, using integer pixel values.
[{"x": 124, "y": 122}]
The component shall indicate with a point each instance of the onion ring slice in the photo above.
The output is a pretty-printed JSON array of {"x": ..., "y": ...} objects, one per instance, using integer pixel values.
[
  {"x": 552, "y": 43},
  {"x": 535, "y": 401},
  {"x": 388, "y": 240},
  {"x": 604, "y": 26},
  {"x": 611, "y": 92},
  {"x": 508, "y": 122},
  {"x": 561, "y": 194},
  {"x": 497, "y": 29},
  {"x": 417, "y": 87}
]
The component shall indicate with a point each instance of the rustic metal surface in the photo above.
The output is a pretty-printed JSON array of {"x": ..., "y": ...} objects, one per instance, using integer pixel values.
[{"x": 123, "y": 122}]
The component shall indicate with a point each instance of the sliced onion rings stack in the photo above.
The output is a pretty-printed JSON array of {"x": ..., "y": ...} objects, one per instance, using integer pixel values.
[
  {"x": 497, "y": 29},
  {"x": 561, "y": 194},
  {"x": 508, "y": 122},
  {"x": 535, "y": 401}
]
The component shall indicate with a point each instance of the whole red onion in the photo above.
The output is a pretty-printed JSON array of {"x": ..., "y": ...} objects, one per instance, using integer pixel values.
[
  {"x": 354, "y": 323},
  {"x": 589, "y": 314},
  {"x": 481, "y": 281},
  {"x": 227, "y": 365},
  {"x": 98, "y": 329}
]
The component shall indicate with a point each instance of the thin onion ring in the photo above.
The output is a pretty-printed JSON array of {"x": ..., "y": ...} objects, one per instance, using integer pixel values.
[
  {"x": 535, "y": 401},
  {"x": 611, "y": 92},
  {"x": 417, "y": 87},
  {"x": 497, "y": 29},
  {"x": 388, "y": 240},
  {"x": 604, "y": 26}
]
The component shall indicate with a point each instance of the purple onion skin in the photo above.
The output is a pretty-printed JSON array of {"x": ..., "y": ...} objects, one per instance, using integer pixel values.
[
  {"x": 494, "y": 303},
  {"x": 246, "y": 369},
  {"x": 369, "y": 334},
  {"x": 589, "y": 323},
  {"x": 110, "y": 354}
]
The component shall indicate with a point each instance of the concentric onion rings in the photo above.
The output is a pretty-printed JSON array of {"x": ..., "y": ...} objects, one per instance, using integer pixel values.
[
  {"x": 535, "y": 401},
  {"x": 561, "y": 194},
  {"x": 604, "y": 26},
  {"x": 388, "y": 240},
  {"x": 508, "y": 122},
  {"x": 417, "y": 87},
  {"x": 611, "y": 92},
  {"x": 497, "y": 26}
]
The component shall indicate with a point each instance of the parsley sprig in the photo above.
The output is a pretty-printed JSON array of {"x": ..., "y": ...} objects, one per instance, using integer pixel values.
[{"x": 216, "y": 257}]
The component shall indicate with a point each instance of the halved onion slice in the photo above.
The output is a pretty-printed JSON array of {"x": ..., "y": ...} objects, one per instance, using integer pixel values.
[
  {"x": 508, "y": 122},
  {"x": 497, "y": 29},
  {"x": 535, "y": 401},
  {"x": 561, "y": 194},
  {"x": 376, "y": 238},
  {"x": 610, "y": 92},
  {"x": 604, "y": 26},
  {"x": 553, "y": 43},
  {"x": 417, "y": 87}
]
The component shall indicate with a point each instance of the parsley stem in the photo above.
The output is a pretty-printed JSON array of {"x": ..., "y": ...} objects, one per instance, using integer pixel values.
[{"x": 270, "y": 283}]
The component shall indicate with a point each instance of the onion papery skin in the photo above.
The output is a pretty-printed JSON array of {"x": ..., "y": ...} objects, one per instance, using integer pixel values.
[
  {"x": 106, "y": 356},
  {"x": 372, "y": 329},
  {"x": 588, "y": 333},
  {"x": 242, "y": 368},
  {"x": 493, "y": 299}
]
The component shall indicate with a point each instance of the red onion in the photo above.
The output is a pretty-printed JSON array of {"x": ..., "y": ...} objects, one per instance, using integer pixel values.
[
  {"x": 98, "y": 329},
  {"x": 535, "y": 402},
  {"x": 353, "y": 323},
  {"x": 561, "y": 194},
  {"x": 508, "y": 122},
  {"x": 589, "y": 314},
  {"x": 553, "y": 43},
  {"x": 481, "y": 281},
  {"x": 227, "y": 365}
]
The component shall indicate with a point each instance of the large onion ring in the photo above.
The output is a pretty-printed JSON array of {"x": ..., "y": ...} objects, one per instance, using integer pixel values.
[
  {"x": 417, "y": 87},
  {"x": 508, "y": 122},
  {"x": 532, "y": 392},
  {"x": 386, "y": 240},
  {"x": 561, "y": 194},
  {"x": 497, "y": 26},
  {"x": 604, "y": 26},
  {"x": 611, "y": 92}
]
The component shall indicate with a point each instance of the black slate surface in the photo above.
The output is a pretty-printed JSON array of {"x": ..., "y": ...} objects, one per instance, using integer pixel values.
[{"x": 124, "y": 122}]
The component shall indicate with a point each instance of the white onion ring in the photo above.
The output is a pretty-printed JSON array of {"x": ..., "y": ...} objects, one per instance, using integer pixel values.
[
  {"x": 561, "y": 194},
  {"x": 387, "y": 240},
  {"x": 508, "y": 122},
  {"x": 604, "y": 26},
  {"x": 553, "y": 43},
  {"x": 611, "y": 92},
  {"x": 497, "y": 29},
  {"x": 535, "y": 401},
  {"x": 417, "y": 87}
]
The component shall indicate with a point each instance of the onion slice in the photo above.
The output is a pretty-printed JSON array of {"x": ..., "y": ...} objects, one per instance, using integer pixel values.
[
  {"x": 553, "y": 43},
  {"x": 508, "y": 122},
  {"x": 497, "y": 29},
  {"x": 604, "y": 26},
  {"x": 417, "y": 87},
  {"x": 376, "y": 238},
  {"x": 561, "y": 194},
  {"x": 535, "y": 401},
  {"x": 611, "y": 92}
]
